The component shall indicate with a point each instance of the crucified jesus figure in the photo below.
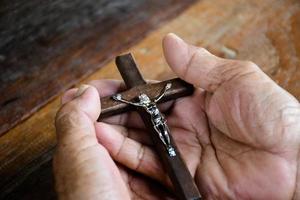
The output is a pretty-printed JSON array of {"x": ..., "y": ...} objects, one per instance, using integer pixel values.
[{"x": 158, "y": 121}]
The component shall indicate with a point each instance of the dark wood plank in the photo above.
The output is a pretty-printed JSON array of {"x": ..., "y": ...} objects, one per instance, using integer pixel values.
[
  {"x": 37, "y": 182},
  {"x": 48, "y": 46}
]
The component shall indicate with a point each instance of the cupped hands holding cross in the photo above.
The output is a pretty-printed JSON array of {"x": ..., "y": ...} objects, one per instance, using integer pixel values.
[{"x": 239, "y": 134}]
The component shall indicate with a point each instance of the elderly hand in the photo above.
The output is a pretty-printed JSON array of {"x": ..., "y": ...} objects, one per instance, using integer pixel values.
[{"x": 239, "y": 135}]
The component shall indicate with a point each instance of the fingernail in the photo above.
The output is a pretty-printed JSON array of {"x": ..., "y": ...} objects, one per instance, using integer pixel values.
[
  {"x": 175, "y": 36},
  {"x": 81, "y": 90}
]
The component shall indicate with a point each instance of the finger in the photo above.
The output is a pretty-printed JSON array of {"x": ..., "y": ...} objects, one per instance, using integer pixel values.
[
  {"x": 69, "y": 95},
  {"x": 201, "y": 68},
  {"x": 129, "y": 152},
  {"x": 77, "y": 115},
  {"x": 79, "y": 158},
  {"x": 128, "y": 119},
  {"x": 139, "y": 135},
  {"x": 74, "y": 121}
]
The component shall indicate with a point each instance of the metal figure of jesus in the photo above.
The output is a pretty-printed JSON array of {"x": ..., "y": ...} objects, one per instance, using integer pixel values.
[{"x": 158, "y": 121}]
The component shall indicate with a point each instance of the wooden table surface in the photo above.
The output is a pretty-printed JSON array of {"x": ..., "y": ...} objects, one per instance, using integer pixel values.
[{"x": 265, "y": 32}]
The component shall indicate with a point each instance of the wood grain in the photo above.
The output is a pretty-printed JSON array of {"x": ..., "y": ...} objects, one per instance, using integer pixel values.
[
  {"x": 48, "y": 47},
  {"x": 266, "y": 32}
]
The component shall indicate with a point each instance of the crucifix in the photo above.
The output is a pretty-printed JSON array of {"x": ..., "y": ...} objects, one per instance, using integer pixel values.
[{"x": 144, "y": 97}]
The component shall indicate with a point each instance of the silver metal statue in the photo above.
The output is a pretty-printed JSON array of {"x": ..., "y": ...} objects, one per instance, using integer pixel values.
[{"x": 158, "y": 121}]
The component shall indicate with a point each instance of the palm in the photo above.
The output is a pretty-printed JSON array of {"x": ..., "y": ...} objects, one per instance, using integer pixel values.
[{"x": 225, "y": 157}]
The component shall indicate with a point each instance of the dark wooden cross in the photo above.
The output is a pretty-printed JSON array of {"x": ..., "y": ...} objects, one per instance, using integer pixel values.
[{"x": 181, "y": 179}]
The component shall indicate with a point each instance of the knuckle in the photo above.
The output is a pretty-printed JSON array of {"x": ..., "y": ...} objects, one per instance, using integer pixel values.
[
  {"x": 248, "y": 64},
  {"x": 238, "y": 70},
  {"x": 201, "y": 49},
  {"x": 140, "y": 157},
  {"x": 67, "y": 116},
  {"x": 197, "y": 54},
  {"x": 290, "y": 116}
]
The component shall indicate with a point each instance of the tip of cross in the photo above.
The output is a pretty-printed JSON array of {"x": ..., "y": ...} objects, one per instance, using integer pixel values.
[
  {"x": 129, "y": 70},
  {"x": 125, "y": 55}
]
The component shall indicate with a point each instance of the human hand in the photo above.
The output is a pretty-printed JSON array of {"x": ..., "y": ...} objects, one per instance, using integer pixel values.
[
  {"x": 238, "y": 135},
  {"x": 251, "y": 147},
  {"x": 83, "y": 168}
]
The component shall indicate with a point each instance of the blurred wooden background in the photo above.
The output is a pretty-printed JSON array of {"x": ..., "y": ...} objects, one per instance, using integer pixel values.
[{"x": 36, "y": 65}]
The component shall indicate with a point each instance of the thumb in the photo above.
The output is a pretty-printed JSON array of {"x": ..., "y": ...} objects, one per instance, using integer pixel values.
[
  {"x": 199, "y": 67},
  {"x": 80, "y": 110},
  {"x": 83, "y": 169}
]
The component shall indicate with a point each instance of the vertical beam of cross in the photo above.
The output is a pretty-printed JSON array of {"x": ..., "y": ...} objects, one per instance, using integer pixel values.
[{"x": 181, "y": 179}]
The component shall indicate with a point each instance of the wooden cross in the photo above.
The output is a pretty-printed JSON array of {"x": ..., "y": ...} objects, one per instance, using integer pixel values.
[{"x": 180, "y": 177}]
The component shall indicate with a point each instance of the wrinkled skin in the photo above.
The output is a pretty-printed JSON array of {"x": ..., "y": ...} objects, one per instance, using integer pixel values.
[{"x": 239, "y": 135}]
